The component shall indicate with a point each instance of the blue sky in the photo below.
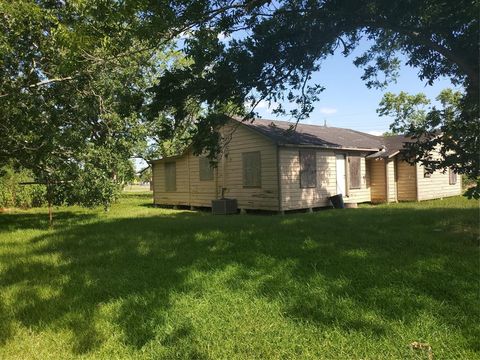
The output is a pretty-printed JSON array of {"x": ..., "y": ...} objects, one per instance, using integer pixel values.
[{"x": 347, "y": 102}]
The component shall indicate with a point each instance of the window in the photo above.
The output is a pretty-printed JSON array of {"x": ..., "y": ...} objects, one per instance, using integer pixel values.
[
  {"x": 452, "y": 176},
  {"x": 427, "y": 172},
  {"x": 205, "y": 169},
  {"x": 252, "y": 173},
  {"x": 354, "y": 172},
  {"x": 170, "y": 176},
  {"x": 308, "y": 169}
]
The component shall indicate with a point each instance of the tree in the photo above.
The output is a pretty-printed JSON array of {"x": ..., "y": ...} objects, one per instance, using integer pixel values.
[
  {"x": 276, "y": 46},
  {"x": 406, "y": 109},
  {"x": 72, "y": 82},
  {"x": 13, "y": 193}
]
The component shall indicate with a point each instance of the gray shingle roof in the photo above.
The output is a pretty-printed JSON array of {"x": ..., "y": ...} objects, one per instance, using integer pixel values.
[
  {"x": 393, "y": 144},
  {"x": 323, "y": 136},
  {"x": 280, "y": 132}
]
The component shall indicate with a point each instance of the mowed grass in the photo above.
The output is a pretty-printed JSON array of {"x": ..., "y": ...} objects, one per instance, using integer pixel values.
[{"x": 145, "y": 283}]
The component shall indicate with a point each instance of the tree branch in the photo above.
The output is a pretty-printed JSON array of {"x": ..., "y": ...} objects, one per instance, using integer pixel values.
[
  {"x": 44, "y": 82},
  {"x": 417, "y": 36}
]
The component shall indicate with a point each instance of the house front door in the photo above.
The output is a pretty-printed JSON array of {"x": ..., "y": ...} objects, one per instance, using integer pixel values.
[{"x": 341, "y": 176}]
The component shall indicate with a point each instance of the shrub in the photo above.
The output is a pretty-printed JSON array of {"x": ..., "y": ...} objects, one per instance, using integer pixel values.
[{"x": 13, "y": 194}]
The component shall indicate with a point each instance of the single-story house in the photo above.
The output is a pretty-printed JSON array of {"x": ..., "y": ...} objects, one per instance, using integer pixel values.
[{"x": 266, "y": 165}]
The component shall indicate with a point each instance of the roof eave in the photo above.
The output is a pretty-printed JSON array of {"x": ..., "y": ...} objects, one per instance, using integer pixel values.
[
  {"x": 328, "y": 147},
  {"x": 173, "y": 157},
  {"x": 393, "y": 154}
]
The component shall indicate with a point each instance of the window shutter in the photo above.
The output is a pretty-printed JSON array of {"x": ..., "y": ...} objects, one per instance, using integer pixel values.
[
  {"x": 452, "y": 176},
  {"x": 354, "y": 171},
  {"x": 252, "y": 171},
  {"x": 170, "y": 176},
  {"x": 308, "y": 169},
  {"x": 205, "y": 169}
]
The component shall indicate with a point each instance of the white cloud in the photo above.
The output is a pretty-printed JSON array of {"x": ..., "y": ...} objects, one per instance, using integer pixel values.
[
  {"x": 375, "y": 132},
  {"x": 327, "y": 110}
]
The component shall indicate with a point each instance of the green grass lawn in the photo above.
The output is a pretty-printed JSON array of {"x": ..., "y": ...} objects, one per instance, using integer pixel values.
[{"x": 145, "y": 283}]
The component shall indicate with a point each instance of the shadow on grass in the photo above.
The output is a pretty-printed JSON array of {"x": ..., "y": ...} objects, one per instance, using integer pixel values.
[
  {"x": 24, "y": 221},
  {"x": 6, "y": 329},
  {"x": 356, "y": 269}
]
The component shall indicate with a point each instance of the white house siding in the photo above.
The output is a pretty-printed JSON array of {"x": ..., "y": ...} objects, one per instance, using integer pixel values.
[
  {"x": 238, "y": 140},
  {"x": 384, "y": 180},
  {"x": 436, "y": 186},
  {"x": 407, "y": 182},
  {"x": 391, "y": 180},
  {"x": 364, "y": 193},
  {"x": 181, "y": 196},
  {"x": 202, "y": 192},
  {"x": 228, "y": 175},
  {"x": 295, "y": 197}
]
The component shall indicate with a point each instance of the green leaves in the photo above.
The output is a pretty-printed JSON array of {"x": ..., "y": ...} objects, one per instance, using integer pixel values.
[
  {"x": 15, "y": 194},
  {"x": 405, "y": 109},
  {"x": 72, "y": 85}
]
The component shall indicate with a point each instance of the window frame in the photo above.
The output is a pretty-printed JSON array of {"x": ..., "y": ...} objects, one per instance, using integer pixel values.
[
  {"x": 303, "y": 172},
  {"x": 350, "y": 177},
  {"x": 452, "y": 177},
  {"x": 245, "y": 155},
  {"x": 167, "y": 173},
  {"x": 201, "y": 162}
]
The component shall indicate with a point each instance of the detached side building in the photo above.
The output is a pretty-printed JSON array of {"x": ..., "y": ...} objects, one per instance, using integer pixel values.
[{"x": 266, "y": 165}]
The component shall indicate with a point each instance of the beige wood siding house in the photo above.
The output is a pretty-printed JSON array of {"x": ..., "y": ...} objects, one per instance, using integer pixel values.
[
  {"x": 228, "y": 175},
  {"x": 395, "y": 179},
  {"x": 436, "y": 185},
  {"x": 377, "y": 180},
  {"x": 189, "y": 190},
  {"x": 407, "y": 181},
  {"x": 392, "y": 180},
  {"x": 266, "y": 166},
  {"x": 295, "y": 196}
]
